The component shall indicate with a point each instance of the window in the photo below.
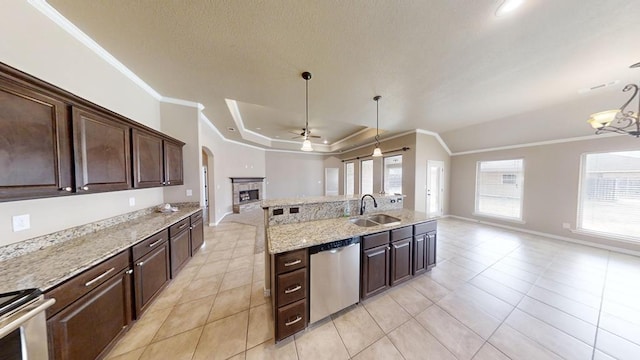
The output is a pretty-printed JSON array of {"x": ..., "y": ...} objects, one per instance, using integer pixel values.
[
  {"x": 499, "y": 188},
  {"x": 609, "y": 200},
  {"x": 366, "y": 177},
  {"x": 392, "y": 177},
  {"x": 349, "y": 177}
]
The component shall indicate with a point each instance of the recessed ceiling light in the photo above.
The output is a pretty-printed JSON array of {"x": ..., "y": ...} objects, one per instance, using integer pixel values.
[
  {"x": 232, "y": 129},
  {"x": 277, "y": 137},
  {"x": 508, "y": 6},
  {"x": 326, "y": 141},
  {"x": 258, "y": 128}
]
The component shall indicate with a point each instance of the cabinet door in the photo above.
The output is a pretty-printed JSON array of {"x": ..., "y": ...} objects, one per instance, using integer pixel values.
[
  {"x": 375, "y": 270},
  {"x": 197, "y": 236},
  {"x": 180, "y": 251},
  {"x": 151, "y": 273},
  {"x": 401, "y": 260},
  {"x": 85, "y": 329},
  {"x": 431, "y": 249},
  {"x": 35, "y": 147},
  {"x": 148, "y": 163},
  {"x": 101, "y": 152},
  {"x": 173, "y": 164},
  {"x": 419, "y": 254}
]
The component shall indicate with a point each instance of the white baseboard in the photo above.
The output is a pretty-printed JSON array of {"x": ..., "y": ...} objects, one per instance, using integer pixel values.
[
  {"x": 222, "y": 218},
  {"x": 552, "y": 236}
]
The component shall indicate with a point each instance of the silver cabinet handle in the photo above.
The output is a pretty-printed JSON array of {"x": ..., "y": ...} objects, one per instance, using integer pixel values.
[
  {"x": 97, "y": 278},
  {"x": 129, "y": 272},
  {"x": 164, "y": 183},
  {"x": 289, "y": 323},
  {"x": 156, "y": 243},
  {"x": 67, "y": 189},
  {"x": 294, "y": 262},
  {"x": 85, "y": 188},
  {"x": 190, "y": 227},
  {"x": 140, "y": 263},
  {"x": 168, "y": 182},
  {"x": 292, "y": 290},
  {"x": 182, "y": 226}
]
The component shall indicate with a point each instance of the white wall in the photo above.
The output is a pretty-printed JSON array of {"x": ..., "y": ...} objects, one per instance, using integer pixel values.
[
  {"x": 32, "y": 43},
  {"x": 230, "y": 160},
  {"x": 550, "y": 194},
  {"x": 294, "y": 174}
]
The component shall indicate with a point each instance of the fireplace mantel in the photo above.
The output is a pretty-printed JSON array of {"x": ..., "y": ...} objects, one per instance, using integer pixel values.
[
  {"x": 247, "y": 192},
  {"x": 235, "y": 180}
]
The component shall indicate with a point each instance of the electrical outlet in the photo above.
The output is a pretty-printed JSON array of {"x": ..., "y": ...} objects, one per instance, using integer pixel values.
[
  {"x": 132, "y": 201},
  {"x": 566, "y": 226},
  {"x": 21, "y": 222},
  {"x": 189, "y": 192}
]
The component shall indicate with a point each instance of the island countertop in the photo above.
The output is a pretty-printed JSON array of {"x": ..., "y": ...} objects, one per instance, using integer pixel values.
[
  {"x": 287, "y": 237},
  {"x": 54, "y": 264}
]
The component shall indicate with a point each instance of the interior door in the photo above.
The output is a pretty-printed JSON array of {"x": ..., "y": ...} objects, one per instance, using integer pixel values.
[{"x": 435, "y": 188}]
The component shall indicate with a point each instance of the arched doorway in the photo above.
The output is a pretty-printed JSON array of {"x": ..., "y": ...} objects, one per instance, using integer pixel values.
[{"x": 208, "y": 186}]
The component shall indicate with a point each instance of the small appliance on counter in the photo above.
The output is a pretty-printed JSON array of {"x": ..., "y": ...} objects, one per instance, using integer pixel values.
[{"x": 23, "y": 327}]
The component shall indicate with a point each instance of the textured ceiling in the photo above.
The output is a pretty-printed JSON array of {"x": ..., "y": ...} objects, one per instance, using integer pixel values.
[{"x": 439, "y": 65}]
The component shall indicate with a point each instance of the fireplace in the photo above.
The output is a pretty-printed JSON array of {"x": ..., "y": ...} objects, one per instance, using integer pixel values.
[{"x": 247, "y": 192}]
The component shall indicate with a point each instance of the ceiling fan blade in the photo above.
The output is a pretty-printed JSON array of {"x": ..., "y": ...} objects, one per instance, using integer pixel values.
[{"x": 314, "y": 136}]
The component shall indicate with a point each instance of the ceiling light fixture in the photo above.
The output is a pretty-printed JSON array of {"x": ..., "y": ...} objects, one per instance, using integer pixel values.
[
  {"x": 306, "y": 144},
  {"x": 508, "y": 6},
  {"x": 376, "y": 151},
  {"x": 621, "y": 121}
]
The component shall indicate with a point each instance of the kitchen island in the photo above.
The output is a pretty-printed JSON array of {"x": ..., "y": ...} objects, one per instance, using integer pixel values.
[{"x": 387, "y": 255}]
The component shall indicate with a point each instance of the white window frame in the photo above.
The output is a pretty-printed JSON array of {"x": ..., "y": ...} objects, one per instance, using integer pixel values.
[
  {"x": 384, "y": 172},
  {"x": 579, "y": 229},
  {"x": 353, "y": 177},
  {"x": 476, "y": 212},
  {"x": 372, "y": 176}
]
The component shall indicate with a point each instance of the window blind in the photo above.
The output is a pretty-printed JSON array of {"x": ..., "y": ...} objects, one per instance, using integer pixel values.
[
  {"x": 609, "y": 200},
  {"x": 499, "y": 187}
]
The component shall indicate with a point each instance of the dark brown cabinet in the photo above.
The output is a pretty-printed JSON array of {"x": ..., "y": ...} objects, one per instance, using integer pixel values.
[
  {"x": 91, "y": 311},
  {"x": 197, "y": 232},
  {"x": 419, "y": 254},
  {"x": 290, "y": 282},
  {"x": 35, "y": 145},
  {"x": 179, "y": 245},
  {"x": 375, "y": 261},
  {"x": 431, "y": 249},
  {"x": 156, "y": 162},
  {"x": 151, "y": 270},
  {"x": 173, "y": 163},
  {"x": 425, "y": 243},
  {"x": 101, "y": 153},
  {"x": 401, "y": 261}
]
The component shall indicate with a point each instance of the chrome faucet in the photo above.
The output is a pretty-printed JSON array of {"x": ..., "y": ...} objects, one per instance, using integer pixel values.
[{"x": 362, "y": 207}]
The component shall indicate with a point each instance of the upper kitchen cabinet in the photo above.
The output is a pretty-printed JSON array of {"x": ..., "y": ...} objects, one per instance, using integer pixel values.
[
  {"x": 101, "y": 152},
  {"x": 156, "y": 162},
  {"x": 35, "y": 147},
  {"x": 173, "y": 163}
]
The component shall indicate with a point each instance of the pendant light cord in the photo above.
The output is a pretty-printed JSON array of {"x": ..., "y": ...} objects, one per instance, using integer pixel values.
[
  {"x": 306, "y": 123},
  {"x": 377, "y": 116}
]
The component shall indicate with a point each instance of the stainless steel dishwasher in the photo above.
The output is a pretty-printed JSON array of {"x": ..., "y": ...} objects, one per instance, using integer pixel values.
[{"x": 335, "y": 277}]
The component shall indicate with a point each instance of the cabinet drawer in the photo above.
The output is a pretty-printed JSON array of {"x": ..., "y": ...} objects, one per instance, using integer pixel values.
[
  {"x": 149, "y": 244},
  {"x": 179, "y": 227},
  {"x": 291, "y": 319},
  {"x": 291, "y": 260},
  {"x": 292, "y": 286},
  {"x": 402, "y": 233},
  {"x": 197, "y": 216},
  {"x": 81, "y": 284},
  {"x": 424, "y": 227},
  {"x": 373, "y": 240}
]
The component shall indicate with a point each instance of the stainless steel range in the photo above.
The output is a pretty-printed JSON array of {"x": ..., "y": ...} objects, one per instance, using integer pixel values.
[{"x": 23, "y": 327}]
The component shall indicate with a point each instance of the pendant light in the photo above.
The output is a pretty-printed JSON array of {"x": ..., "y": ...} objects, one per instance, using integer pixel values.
[
  {"x": 376, "y": 151},
  {"x": 306, "y": 144}
]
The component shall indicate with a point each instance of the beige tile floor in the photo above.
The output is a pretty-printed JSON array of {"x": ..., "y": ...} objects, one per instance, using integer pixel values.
[{"x": 495, "y": 294}]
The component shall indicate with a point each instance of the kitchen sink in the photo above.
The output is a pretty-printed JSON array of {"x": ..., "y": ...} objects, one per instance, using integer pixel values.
[
  {"x": 363, "y": 222},
  {"x": 375, "y": 220},
  {"x": 383, "y": 219}
]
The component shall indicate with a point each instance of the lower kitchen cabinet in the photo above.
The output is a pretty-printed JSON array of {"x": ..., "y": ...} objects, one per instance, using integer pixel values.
[
  {"x": 179, "y": 245},
  {"x": 401, "y": 261},
  {"x": 431, "y": 249},
  {"x": 290, "y": 279},
  {"x": 425, "y": 243},
  {"x": 375, "y": 271},
  {"x": 197, "y": 232},
  {"x": 151, "y": 271},
  {"x": 85, "y": 328},
  {"x": 419, "y": 254}
]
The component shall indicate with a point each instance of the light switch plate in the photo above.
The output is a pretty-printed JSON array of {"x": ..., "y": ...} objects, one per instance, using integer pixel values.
[
  {"x": 566, "y": 226},
  {"x": 189, "y": 192},
  {"x": 132, "y": 201},
  {"x": 21, "y": 222}
]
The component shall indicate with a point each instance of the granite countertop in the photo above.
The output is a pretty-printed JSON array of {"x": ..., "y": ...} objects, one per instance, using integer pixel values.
[
  {"x": 283, "y": 238},
  {"x": 54, "y": 264}
]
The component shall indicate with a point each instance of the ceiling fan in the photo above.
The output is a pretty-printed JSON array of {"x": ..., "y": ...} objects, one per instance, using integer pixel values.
[{"x": 301, "y": 135}]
